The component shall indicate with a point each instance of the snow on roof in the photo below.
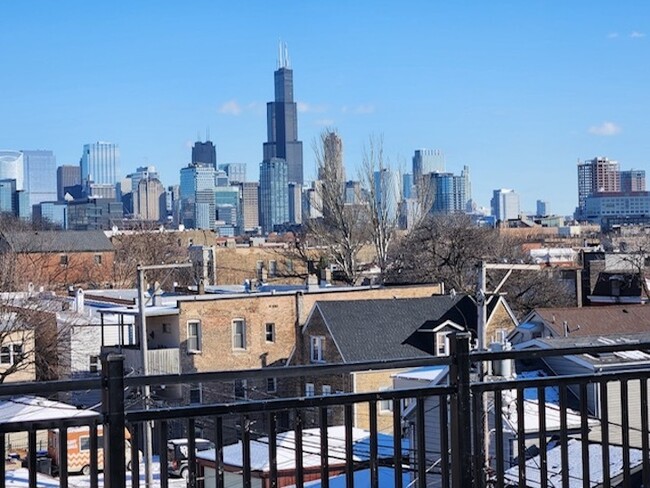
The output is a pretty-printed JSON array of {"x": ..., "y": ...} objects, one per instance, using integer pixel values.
[
  {"x": 35, "y": 409},
  {"x": 286, "y": 445},
  {"x": 551, "y": 393},
  {"x": 158, "y": 311},
  {"x": 386, "y": 478},
  {"x": 426, "y": 373},
  {"x": 554, "y": 463}
]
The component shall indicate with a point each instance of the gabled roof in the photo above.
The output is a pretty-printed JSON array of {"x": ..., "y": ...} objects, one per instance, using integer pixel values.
[
  {"x": 606, "y": 320},
  {"x": 56, "y": 241},
  {"x": 366, "y": 330}
]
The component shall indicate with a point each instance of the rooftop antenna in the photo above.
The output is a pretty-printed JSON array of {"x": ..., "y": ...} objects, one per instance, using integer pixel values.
[
  {"x": 279, "y": 54},
  {"x": 287, "y": 63}
]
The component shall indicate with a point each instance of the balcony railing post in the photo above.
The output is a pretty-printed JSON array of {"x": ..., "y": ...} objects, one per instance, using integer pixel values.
[
  {"x": 114, "y": 423},
  {"x": 461, "y": 411}
]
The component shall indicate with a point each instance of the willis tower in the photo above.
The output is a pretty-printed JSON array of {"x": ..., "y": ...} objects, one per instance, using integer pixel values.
[{"x": 282, "y": 121}]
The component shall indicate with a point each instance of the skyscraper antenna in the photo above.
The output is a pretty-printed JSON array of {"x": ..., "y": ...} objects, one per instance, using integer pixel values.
[
  {"x": 287, "y": 64},
  {"x": 279, "y": 53}
]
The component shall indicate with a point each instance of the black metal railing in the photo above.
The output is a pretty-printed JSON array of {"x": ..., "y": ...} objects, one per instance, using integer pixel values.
[{"x": 466, "y": 431}]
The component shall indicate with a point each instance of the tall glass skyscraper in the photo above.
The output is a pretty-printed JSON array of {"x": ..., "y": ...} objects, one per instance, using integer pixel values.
[
  {"x": 12, "y": 167},
  {"x": 274, "y": 193},
  {"x": 100, "y": 163},
  {"x": 40, "y": 176},
  {"x": 282, "y": 122},
  {"x": 204, "y": 153}
]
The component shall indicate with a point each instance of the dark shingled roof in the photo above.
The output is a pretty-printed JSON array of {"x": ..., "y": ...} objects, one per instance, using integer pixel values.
[
  {"x": 366, "y": 330},
  {"x": 56, "y": 241}
]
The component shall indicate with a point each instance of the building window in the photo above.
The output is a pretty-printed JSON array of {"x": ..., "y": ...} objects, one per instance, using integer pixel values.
[
  {"x": 385, "y": 405},
  {"x": 442, "y": 344},
  {"x": 239, "y": 334},
  {"x": 196, "y": 393},
  {"x": 271, "y": 385},
  {"x": 95, "y": 364},
  {"x": 327, "y": 390},
  {"x": 98, "y": 259},
  {"x": 309, "y": 389},
  {"x": 166, "y": 328},
  {"x": 63, "y": 259},
  {"x": 289, "y": 265},
  {"x": 193, "y": 336},
  {"x": 11, "y": 354},
  {"x": 241, "y": 392},
  {"x": 317, "y": 344},
  {"x": 270, "y": 332},
  {"x": 259, "y": 268},
  {"x": 273, "y": 268}
]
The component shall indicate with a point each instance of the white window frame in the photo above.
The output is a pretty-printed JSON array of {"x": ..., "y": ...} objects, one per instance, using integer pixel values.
[
  {"x": 385, "y": 406},
  {"x": 441, "y": 339},
  {"x": 317, "y": 349},
  {"x": 310, "y": 390},
  {"x": 94, "y": 364},
  {"x": 241, "y": 346},
  {"x": 13, "y": 350},
  {"x": 267, "y": 331},
  {"x": 196, "y": 346},
  {"x": 327, "y": 390}
]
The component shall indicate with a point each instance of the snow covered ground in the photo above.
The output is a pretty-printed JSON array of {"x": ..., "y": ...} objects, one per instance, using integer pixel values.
[{"x": 19, "y": 478}]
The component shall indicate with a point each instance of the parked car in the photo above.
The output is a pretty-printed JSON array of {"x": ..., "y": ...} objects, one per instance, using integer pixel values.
[{"x": 178, "y": 453}]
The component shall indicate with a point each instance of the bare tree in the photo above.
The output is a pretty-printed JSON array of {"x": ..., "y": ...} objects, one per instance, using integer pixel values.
[
  {"x": 147, "y": 245},
  {"x": 383, "y": 194},
  {"x": 448, "y": 248}
]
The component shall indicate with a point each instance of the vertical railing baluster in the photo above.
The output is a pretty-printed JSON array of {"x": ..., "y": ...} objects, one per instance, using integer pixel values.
[
  {"x": 498, "y": 432},
  {"x": 191, "y": 452},
  {"x": 521, "y": 437},
  {"x": 564, "y": 437},
  {"x": 94, "y": 455},
  {"x": 135, "y": 464},
  {"x": 113, "y": 422},
  {"x": 163, "y": 453},
  {"x": 444, "y": 440},
  {"x": 31, "y": 457},
  {"x": 604, "y": 431},
  {"x": 461, "y": 415},
  {"x": 324, "y": 448},
  {"x": 397, "y": 442},
  {"x": 3, "y": 455},
  {"x": 477, "y": 435},
  {"x": 625, "y": 421},
  {"x": 349, "y": 444},
  {"x": 63, "y": 448},
  {"x": 543, "y": 460},
  {"x": 584, "y": 434},
  {"x": 374, "y": 473},
  {"x": 421, "y": 443},
  {"x": 246, "y": 450},
  {"x": 218, "y": 426},
  {"x": 645, "y": 448},
  {"x": 300, "y": 472},
  {"x": 273, "y": 450}
]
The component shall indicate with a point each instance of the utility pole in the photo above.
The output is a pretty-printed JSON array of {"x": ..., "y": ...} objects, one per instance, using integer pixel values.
[
  {"x": 144, "y": 350},
  {"x": 481, "y": 325}
]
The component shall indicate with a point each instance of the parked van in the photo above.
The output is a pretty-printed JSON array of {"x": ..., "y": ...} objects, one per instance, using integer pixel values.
[
  {"x": 79, "y": 449},
  {"x": 177, "y": 454}
]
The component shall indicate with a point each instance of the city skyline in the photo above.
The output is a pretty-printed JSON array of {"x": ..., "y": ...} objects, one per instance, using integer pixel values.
[{"x": 519, "y": 99}]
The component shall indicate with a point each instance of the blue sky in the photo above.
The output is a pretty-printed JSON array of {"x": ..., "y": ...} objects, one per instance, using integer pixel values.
[{"x": 517, "y": 90}]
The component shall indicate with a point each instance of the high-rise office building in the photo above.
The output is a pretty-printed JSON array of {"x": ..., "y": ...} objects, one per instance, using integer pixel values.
[
  {"x": 100, "y": 163},
  {"x": 505, "y": 204},
  {"x": 40, "y": 176},
  {"x": 332, "y": 168},
  {"x": 632, "y": 180},
  {"x": 197, "y": 178},
  {"x": 236, "y": 172},
  {"x": 282, "y": 122},
  {"x": 450, "y": 192},
  {"x": 274, "y": 193},
  {"x": 66, "y": 175},
  {"x": 149, "y": 200},
  {"x": 205, "y": 154},
  {"x": 427, "y": 161},
  {"x": 12, "y": 167},
  {"x": 8, "y": 196},
  {"x": 141, "y": 173},
  {"x": 387, "y": 191},
  {"x": 250, "y": 210},
  {"x": 295, "y": 203},
  {"x": 542, "y": 208}
]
